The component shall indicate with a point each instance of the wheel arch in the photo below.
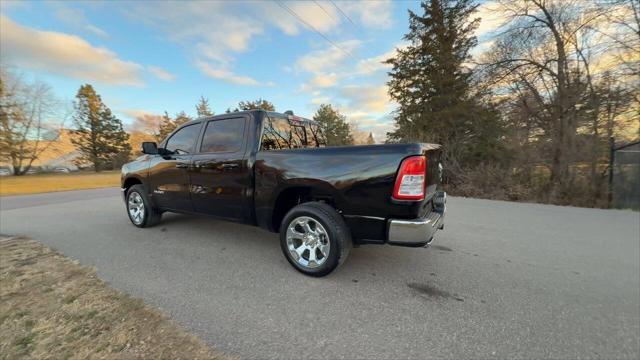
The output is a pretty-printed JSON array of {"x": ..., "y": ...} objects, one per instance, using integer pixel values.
[
  {"x": 298, "y": 193},
  {"x": 130, "y": 181}
]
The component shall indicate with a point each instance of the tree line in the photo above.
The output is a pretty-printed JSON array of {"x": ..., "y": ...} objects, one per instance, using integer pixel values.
[
  {"x": 530, "y": 118},
  {"x": 26, "y": 129}
]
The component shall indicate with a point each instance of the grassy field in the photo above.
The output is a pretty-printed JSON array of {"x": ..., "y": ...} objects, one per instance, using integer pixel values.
[
  {"x": 51, "y": 307},
  {"x": 31, "y": 184}
]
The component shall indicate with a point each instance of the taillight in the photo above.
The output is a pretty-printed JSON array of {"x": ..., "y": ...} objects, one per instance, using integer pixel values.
[{"x": 411, "y": 179}]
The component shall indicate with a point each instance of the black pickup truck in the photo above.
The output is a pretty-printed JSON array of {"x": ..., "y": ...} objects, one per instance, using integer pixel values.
[{"x": 274, "y": 170}]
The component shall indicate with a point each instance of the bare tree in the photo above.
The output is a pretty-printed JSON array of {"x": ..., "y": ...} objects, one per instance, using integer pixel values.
[
  {"x": 550, "y": 60},
  {"x": 30, "y": 121}
]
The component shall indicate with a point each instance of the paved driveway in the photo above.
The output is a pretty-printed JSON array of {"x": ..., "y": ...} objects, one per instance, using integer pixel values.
[{"x": 503, "y": 280}]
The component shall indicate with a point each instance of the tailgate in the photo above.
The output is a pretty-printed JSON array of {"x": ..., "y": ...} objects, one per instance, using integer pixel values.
[{"x": 433, "y": 153}]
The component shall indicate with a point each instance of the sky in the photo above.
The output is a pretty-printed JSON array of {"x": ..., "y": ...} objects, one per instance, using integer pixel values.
[{"x": 147, "y": 57}]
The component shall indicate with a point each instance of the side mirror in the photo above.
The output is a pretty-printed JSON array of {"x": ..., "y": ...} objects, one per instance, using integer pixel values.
[{"x": 149, "y": 148}]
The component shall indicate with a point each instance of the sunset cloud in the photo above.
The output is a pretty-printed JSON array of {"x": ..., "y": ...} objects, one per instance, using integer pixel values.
[
  {"x": 367, "y": 98},
  {"x": 64, "y": 54}
]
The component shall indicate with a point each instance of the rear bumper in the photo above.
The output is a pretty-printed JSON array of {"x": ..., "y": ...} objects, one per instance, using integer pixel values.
[{"x": 418, "y": 232}]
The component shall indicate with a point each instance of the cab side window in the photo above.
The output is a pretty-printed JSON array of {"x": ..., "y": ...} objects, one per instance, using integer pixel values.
[
  {"x": 223, "y": 136},
  {"x": 280, "y": 134},
  {"x": 184, "y": 140}
]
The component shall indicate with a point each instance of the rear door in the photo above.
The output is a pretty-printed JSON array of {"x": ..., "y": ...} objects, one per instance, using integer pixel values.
[
  {"x": 219, "y": 176},
  {"x": 168, "y": 173}
]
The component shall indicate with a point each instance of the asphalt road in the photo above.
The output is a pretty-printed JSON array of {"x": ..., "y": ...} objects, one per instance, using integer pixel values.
[{"x": 502, "y": 280}]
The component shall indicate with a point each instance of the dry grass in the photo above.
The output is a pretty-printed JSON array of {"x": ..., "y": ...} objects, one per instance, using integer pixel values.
[
  {"x": 51, "y": 307},
  {"x": 31, "y": 184}
]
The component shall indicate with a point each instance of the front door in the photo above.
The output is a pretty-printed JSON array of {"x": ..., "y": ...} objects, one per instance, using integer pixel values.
[
  {"x": 168, "y": 173},
  {"x": 219, "y": 175}
]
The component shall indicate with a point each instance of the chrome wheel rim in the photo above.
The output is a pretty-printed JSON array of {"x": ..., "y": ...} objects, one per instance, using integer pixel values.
[
  {"x": 136, "y": 208},
  {"x": 308, "y": 242}
]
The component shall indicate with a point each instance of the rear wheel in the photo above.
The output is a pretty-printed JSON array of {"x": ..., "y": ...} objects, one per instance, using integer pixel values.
[
  {"x": 314, "y": 238},
  {"x": 139, "y": 208}
]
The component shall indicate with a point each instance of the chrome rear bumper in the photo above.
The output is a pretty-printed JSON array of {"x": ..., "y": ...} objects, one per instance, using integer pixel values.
[{"x": 418, "y": 232}]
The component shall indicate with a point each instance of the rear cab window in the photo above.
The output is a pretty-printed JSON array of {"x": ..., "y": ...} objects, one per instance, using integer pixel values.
[{"x": 279, "y": 133}]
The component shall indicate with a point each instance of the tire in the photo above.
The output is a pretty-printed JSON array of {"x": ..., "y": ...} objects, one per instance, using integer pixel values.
[
  {"x": 304, "y": 243},
  {"x": 136, "y": 195}
]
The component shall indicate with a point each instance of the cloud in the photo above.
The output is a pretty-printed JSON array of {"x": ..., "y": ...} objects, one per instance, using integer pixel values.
[
  {"x": 322, "y": 63},
  {"x": 142, "y": 121},
  {"x": 77, "y": 19},
  {"x": 207, "y": 23},
  {"x": 374, "y": 14},
  {"x": 321, "y": 16},
  {"x": 320, "y": 100},
  {"x": 324, "y": 15},
  {"x": 136, "y": 113},
  {"x": 96, "y": 30},
  {"x": 366, "y": 106},
  {"x": 225, "y": 74},
  {"x": 367, "y": 98},
  {"x": 6, "y": 5},
  {"x": 321, "y": 81},
  {"x": 329, "y": 67},
  {"x": 215, "y": 31},
  {"x": 491, "y": 18},
  {"x": 211, "y": 31},
  {"x": 481, "y": 48},
  {"x": 374, "y": 64},
  {"x": 161, "y": 73},
  {"x": 64, "y": 54},
  {"x": 323, "y": 60}
]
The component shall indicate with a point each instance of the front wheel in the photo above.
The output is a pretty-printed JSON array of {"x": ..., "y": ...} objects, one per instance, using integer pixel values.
[
  {"x": 314, "y": 238},
  {"x": 139, "y": 208}
]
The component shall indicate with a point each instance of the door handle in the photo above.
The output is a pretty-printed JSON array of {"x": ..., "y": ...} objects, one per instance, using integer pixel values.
[
  {"x": 182, "y": 165},
  {"x": 228, "y": 166}
]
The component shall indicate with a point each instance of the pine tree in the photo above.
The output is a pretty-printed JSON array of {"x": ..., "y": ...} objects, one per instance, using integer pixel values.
[
  {"x": 167, "y": 125},
  {"x": 181, "y": 118},
  {"x": 370, "y": 139},
  {"x": 202, "y": 108},
  {"x": 99, "y": 135},
  {"x": 433, "y": 87},
  {"x": 334, "y": 126},
  {"x": 255, "y": 104}
]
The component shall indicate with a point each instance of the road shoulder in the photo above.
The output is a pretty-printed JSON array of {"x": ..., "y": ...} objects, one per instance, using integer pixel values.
[{"x": 51, "y": 304}]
